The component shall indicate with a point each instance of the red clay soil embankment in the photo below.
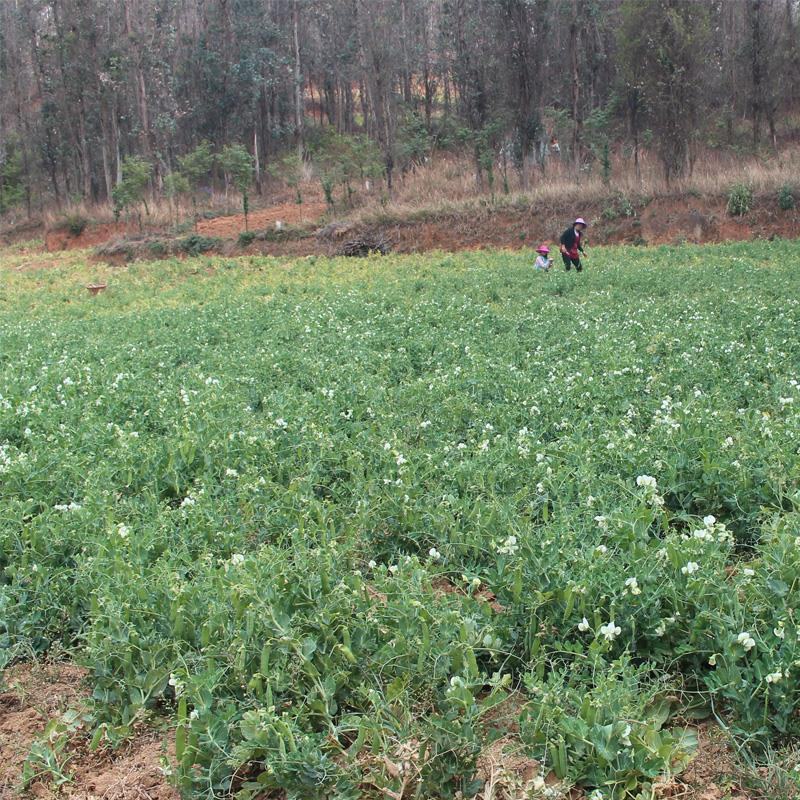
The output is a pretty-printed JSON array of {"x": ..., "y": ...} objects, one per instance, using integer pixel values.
[{"x": 288, "y": 229}]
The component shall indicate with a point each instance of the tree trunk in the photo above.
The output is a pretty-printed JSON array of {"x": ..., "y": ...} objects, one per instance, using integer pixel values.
[
  {"x": 430, "y": 89},
  {"x": 574, "y": 32},
  {"x": 256, "y": 159},
  {"x": 139, "y": 83},
  {"x": 83, "y": 146},
  {"x": 298, "y": 79},
  {"x": 756, "y": 70},
  {"x": 404, "y": 49}
]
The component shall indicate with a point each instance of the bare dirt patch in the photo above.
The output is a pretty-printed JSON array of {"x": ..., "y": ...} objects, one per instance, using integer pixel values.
[
  {"x": 131, "y": 773},
  {"x": 442, "y": 586},
  {"x": 229, "y": 227},
  {"x": 713, "y": 774},
  {"x": 35, "y": 695},
  {"x": 92, "y": 234}
]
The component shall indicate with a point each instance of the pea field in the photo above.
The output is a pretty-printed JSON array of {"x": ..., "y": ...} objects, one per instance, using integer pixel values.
[{"x": 345, "y": 527}]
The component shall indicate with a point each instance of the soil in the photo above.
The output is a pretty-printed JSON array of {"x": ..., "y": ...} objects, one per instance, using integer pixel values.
[
  {"x": 93, "y": 234},
  {"x": 671, "y": 219},
  {"x": 664, "y": 220},
  {"x": 711, "y": 774},
  {"x": 229, "y": 227},
  {"x": 37, "y": 694}
]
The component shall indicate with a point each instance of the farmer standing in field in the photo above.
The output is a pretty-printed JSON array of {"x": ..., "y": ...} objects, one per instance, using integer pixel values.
[{"x": 571, "y": 246}]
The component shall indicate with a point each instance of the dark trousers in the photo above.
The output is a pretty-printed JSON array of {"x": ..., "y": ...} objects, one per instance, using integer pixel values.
[{"x": 570, "y": 261}]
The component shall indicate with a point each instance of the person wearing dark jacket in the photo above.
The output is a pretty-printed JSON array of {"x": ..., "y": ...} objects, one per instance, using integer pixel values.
[{"x": 571, "y": 244}]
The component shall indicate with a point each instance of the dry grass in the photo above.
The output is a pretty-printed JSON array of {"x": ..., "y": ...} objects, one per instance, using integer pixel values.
[
  {"x": 447, "y": 184},
  {"x": 160, "y": 212}
]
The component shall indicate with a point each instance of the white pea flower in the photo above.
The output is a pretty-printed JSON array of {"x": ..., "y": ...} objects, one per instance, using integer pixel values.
[
  {"x": 610, "y": 631},
  {"x": 774, "y": 677},
  {"x": 231, "y": 473},
  {"x": 647, "y": 481},
  {"x": 434, "y": 554},
  {"x": 709, "y": 521},
  {"x": 632, "y": 585},
  {"x": 123, "y": 531},
  {"x": 780, "y": 632},
  {"x": 237, "y": 559},
  {"x": 372, "y": 564},
  {"x": 661, "y": 629},
  {"x": 602, "y": 549},
  {"x": 509, "y": 546},
  {"x": 690, "y": 568},
  {"x": 583, "y": 625},
  {"x": 712, "y": 661},
  {"x": 602, "y": 522},
  {"x": 625, "y": 736},
  {"x": 746, "y": 640},
  {"x": 71, "y": 506},
  {"x": 748, "y": 573},
  {"x": 393, "y": 568}
]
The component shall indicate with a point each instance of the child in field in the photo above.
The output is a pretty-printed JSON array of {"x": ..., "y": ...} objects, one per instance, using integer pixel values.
[{"x": 542, "y": 263}]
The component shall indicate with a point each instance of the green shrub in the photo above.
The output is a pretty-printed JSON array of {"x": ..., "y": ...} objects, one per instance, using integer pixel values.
[
  {"x": 157, "y": 248},
  {"x": 786, "y": 200},
  {"x": 76, "y": 224},
  {"x": 609, "y": 213},
  {"x": 246, "y": 238},
  {"x": 195, "y": 244},
  {"x": 131, "y": 190},
  {"x": 740, "y": 200}
]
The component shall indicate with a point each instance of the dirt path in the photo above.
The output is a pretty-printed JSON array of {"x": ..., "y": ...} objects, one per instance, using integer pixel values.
[{"x": 37, "y": 694}]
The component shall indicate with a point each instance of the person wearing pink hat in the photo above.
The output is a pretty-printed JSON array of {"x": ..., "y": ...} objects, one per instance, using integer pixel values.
[
  {"x": 571, "y": 244},
  {"x": 543, "y": 263}
]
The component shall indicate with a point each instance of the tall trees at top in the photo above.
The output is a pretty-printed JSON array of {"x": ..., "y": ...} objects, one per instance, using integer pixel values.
[
  {"x": 663, "y": 42},
  {"x": 87, "y": 83}
]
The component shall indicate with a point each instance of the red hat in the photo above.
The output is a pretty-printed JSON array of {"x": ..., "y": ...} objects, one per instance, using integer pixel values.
[{"x": 543, "y": 248}]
